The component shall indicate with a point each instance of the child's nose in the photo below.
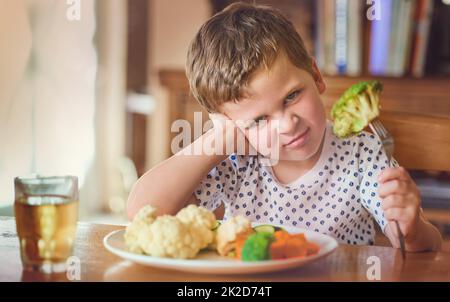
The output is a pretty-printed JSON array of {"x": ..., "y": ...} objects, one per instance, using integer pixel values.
[{"x": 288, "y": 123}]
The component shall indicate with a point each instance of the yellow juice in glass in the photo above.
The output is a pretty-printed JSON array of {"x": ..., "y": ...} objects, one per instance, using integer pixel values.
[{"x": 46, "y": 227}]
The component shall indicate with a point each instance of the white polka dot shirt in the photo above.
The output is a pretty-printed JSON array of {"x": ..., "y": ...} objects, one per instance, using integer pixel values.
[{"x": 338, "y": 196}]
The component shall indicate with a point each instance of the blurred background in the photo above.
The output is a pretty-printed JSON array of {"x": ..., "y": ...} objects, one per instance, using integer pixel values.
[{"x": 91, "y": 87}]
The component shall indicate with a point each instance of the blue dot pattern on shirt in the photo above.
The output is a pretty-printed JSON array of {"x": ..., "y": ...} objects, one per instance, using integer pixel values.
[{"x": 338, "y": 196}]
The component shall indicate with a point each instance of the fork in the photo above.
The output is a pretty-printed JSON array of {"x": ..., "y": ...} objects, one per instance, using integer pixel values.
[{"x": 388, "y": 144}]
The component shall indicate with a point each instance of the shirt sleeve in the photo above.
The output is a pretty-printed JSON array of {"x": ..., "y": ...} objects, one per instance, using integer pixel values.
[
  {"x": 220, "y": 185},
  {"x": 372, "y": 160}
]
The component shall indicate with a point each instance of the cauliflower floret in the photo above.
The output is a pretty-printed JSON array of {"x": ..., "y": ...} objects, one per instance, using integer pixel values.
[
  {"x": 212, "y": 246},
  {"x": 167, "y": 236},
  {"x": 181, "y": 236},
  {"x": 228, "y": 232},
  {"x": 198, "y": 216},
  {"x": 144, "y": 217},
  {"x": 200, "y": 221},
  {"x": 146, "y": 213}
]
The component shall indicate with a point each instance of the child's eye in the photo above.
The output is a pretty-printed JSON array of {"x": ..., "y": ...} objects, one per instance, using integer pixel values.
[{"x": 292, "y": 96}]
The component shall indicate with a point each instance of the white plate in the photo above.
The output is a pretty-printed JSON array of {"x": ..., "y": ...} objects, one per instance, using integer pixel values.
[{"x": 211, "y": 263}]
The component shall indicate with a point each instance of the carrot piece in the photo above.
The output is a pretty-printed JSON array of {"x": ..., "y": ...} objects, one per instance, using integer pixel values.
[
  {"x": 299, "y": 236},
  {"x": 296, "y": 248},
  {"x": 277, "y": 249},
  {"x": 312, "y": 248},
  {"x": 291, "y": 245},
  {"x": 281, "y": 235}
]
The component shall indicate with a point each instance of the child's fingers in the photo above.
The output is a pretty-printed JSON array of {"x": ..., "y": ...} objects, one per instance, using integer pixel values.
[
  {"x": 394, "y": 201},
  {"x": 395, "y": 186},
  {"x": 405, "y": 218},
  {"x": 405, "y": 229},
  {"x": 394, "y": 173},
  {"x": 398, "y": 214}
]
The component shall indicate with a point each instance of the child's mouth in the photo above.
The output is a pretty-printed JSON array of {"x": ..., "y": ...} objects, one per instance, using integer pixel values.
[{"x": 298, "y": 141}]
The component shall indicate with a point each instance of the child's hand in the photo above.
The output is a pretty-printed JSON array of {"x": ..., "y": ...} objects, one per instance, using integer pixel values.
[
  {"x": 233, "y": 137},
  {"x": 401, "y": 200}
]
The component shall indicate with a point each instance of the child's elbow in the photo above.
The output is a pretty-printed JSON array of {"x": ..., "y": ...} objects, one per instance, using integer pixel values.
[
  {"x": 132, "y": 205},
  {"x": 130, "y": 212}
]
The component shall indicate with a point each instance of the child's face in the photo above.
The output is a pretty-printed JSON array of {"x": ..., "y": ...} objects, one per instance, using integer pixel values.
[{"x": 290, "y": 96}]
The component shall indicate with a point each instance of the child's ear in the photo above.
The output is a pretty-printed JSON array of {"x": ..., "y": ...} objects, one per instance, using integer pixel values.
[{"x": 318, "y": 79}]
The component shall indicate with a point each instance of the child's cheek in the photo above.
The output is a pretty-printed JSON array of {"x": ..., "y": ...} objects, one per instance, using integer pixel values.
[
  {"x": 263, "y": 139},
  {"x": 311, "y": 108},
  {"x": 252, "y": 137}
]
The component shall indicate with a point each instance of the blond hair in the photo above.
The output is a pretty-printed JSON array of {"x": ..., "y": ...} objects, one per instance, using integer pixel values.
[{"x": 235, "y": 43}]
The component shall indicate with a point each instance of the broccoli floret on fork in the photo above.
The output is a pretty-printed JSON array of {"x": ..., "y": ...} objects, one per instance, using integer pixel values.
[{"x": 356, "y": 108}]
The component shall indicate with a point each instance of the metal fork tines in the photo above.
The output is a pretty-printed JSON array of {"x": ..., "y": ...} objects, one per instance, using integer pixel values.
[
  {"x": 385, "y": 137},
  {"x": 388, "y": 144}
]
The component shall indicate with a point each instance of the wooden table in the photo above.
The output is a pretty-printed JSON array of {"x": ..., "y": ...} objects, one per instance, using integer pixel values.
[{"x": 347, "y": 263}]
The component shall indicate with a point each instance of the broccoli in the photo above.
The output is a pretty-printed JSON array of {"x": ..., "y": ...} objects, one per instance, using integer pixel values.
[
  {"x": 356, "y": 108},
  {"x": 256, "y": 247}
]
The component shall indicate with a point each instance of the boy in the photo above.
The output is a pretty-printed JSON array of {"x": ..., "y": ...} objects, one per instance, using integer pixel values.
[{"x": 248, "y": 63}]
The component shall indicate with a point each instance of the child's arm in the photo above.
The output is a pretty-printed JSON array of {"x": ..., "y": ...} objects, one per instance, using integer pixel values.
[
  {"x": 401, "y": 202},
  {"x": 170, "y": 184}
]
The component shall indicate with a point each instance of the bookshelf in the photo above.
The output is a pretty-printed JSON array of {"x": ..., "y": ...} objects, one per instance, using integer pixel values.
[{"x": 399, "y": 38}]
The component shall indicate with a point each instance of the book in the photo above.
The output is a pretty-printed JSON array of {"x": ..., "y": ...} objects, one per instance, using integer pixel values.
[
  {"x": 403, "y": 37},
  {"x": 341, "y": 36},
  {"x": 409, "y": 36},
  {"x": 355, "y": 38},
  {"x": 379, "y": 40},
  {"x": 397, "y": 6},
  {"x": 422, "y": 24},
  {"x": 319, "y": 34},
  {"x": 329, "y": 37},
  {"x": 395, "y": 44}
]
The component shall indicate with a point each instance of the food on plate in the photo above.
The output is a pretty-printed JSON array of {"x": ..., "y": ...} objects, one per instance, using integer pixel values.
[
  {"x": 195, "y": 228},
  {"x": 271, "y": 246},
  {"x": 228, "y": 232},
  {"x": 217, "y": 225},
  {"x": 180, "y": 236},
  {"x": 267, "y": 228},
  {"x": 201, "y": 221},
  {"x": 256, "y": 247},
  {"x": 213, "y": 245},
  {"x": 287, "y": 245},
  {"x": 144, "y": 217},
  {"x": 356, "y": 108},
  {"x": 168, "y": 237}
]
